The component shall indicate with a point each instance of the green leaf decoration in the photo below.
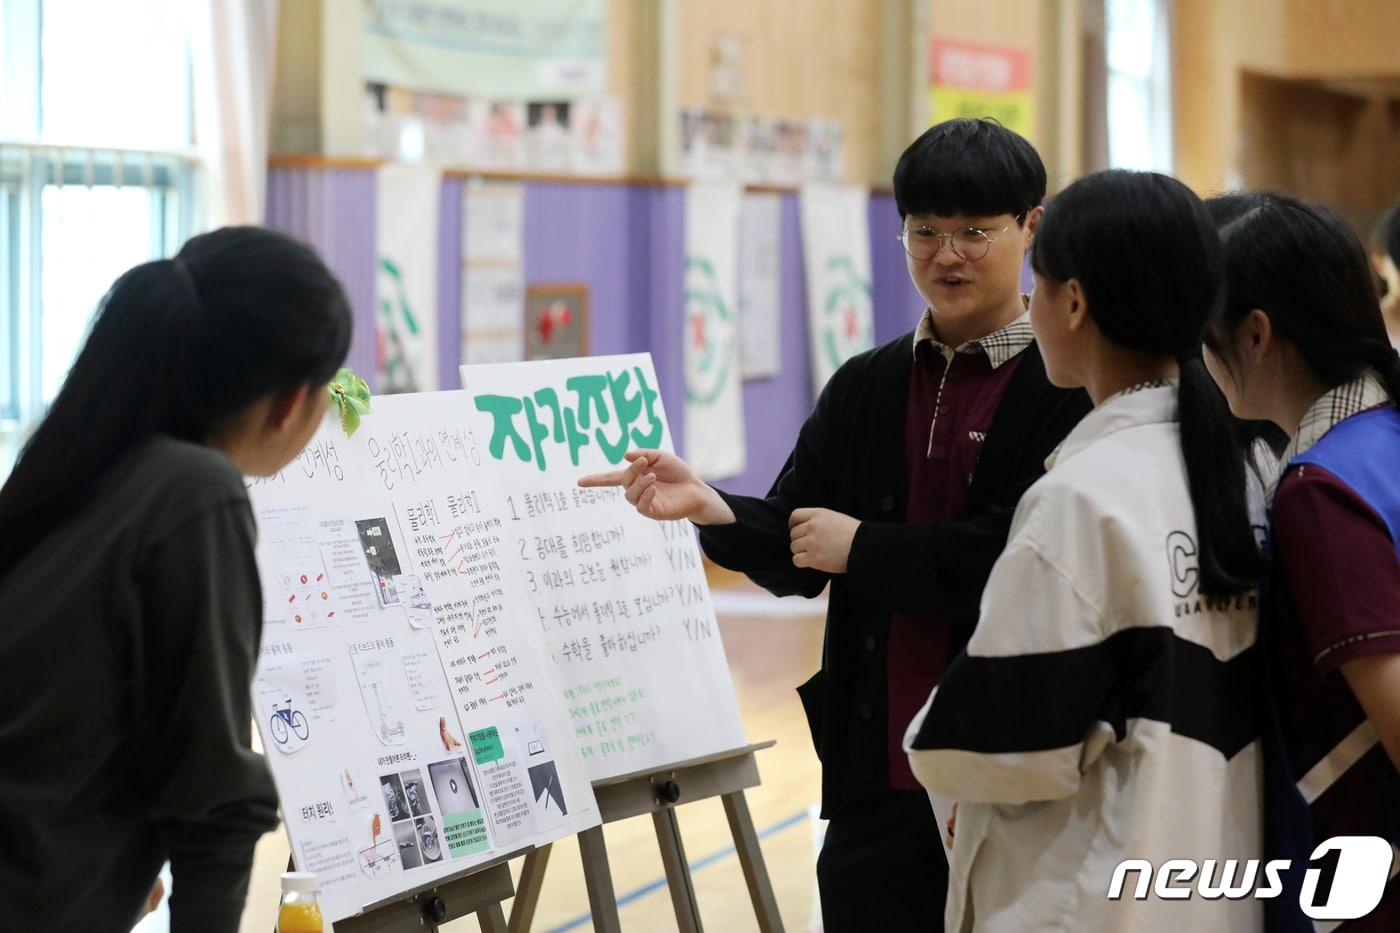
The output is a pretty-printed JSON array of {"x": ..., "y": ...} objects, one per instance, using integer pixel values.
[{"x": 350, "y": 395}]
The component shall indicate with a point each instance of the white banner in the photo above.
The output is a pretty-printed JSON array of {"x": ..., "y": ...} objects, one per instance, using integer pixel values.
[
  {"x": 760, "y": 289},
  {"x": 714, "y": 412},
  {"x": 407, "y": 263},
  {"x": 836, "y": 253},
  {"x": 541, "y": 50},
  {"x": 493, "y": 273}
]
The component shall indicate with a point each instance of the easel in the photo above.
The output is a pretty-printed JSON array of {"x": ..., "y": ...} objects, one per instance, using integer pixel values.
[
  {"x": 725, "y": 775},
  {"x": 480, "y": 890}
]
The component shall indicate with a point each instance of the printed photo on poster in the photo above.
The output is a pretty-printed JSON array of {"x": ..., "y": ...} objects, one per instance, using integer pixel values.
[
  {"x": 548, "y": 140},
  {"x": 383, "y": 558},
  {"x": 556, "y": 322}
]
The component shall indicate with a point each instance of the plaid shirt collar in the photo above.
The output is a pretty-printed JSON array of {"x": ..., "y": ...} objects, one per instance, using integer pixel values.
[
  {"x": 1000, "y": 346},
  {"x": 1338, "y": 404}
]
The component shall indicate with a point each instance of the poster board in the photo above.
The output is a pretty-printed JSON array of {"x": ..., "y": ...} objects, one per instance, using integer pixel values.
[
  {"x": 621, "y": 600},
  {"x": 412, "y": 723}
]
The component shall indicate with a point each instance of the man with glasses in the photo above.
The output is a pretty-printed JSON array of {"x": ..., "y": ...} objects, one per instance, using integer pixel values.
[{"x": 899, "y": 494}]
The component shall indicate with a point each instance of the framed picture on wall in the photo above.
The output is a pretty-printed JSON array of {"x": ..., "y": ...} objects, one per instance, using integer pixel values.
[{"x": 556, "y": 321}]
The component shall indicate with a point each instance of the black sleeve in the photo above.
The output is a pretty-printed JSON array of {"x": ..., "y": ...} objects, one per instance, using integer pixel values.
[
  {"x": 210, "y": 794},
  {"x": 758, "y": 543},
  {"x": 920, "y": 568}
]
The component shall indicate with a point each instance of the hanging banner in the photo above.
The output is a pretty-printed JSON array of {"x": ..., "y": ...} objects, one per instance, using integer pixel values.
[
  {"x": 714, "y": 413},
  {"x": 406, "y": 288},
  {"x": 541, "y": 50},
  {"x": 836, "y": 253},
  {"x": 493, "y": 273},
  {"x": 973, "y": 79},
  {"x": 760, "y": 292}
]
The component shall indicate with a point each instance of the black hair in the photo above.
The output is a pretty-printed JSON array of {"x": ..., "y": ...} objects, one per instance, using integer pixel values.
[
  {"x": 177, "y": 347},
  {"x": 1225, "y": 209},
  {"x": 977, "y": 168},
  {"x": 1146, "y": 253},
  {"x": 1305, "y": 268}
]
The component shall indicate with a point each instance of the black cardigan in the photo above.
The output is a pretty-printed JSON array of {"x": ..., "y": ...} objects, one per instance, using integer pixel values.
[{"x": 850, "y": 457}]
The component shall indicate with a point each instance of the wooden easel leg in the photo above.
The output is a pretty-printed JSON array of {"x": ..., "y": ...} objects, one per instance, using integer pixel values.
[
  {"x": 597, "y": 877},
  {"x": 765, "y": 905},
  {"x": 527, "y": 891},
  {"x": 492, "y": 918},
  {"x": 668, "y": 835}
]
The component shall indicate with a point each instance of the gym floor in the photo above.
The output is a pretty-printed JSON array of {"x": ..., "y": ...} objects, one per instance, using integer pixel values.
[{"x": 772, "y": 645}]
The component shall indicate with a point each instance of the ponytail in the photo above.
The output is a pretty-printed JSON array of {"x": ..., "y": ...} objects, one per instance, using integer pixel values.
[
  {"x": 1147, "y": 255},
  {"x": 177, "y": 347},
  {"x": 1215, "y": 475}
]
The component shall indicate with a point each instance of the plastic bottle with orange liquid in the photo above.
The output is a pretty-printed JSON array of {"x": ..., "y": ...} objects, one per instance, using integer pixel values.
[{"x": 300, "y": 912}]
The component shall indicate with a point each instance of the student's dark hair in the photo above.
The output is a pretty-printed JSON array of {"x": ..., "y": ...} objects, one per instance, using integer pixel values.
[
  {"x": 1305, "y": 268},
  {"x": 1146, "y": 253},
  {"x": 177, "y": 347},
  {"x": 1225, "y": 209},
  {"x": 977, "y": 168}
]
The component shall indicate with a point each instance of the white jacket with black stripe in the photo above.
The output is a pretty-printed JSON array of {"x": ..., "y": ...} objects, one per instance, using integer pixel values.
[{"x": 1104, "y": 710}]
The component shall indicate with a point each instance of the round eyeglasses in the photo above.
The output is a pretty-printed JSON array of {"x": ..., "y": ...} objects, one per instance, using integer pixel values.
[{"x": 969, "y": 244}]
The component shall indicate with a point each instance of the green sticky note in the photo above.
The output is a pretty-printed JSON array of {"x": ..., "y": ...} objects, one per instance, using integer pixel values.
[
  {"x": 486, "y": 746},
  {"x": 465, "y": 833}
]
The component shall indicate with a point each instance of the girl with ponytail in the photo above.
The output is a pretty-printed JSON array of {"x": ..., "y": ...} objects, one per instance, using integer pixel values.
[
  {"x": 1300, "y": 341},
  {"x": 130, "y": 609},
  {"x": 1103, "y": 709}
]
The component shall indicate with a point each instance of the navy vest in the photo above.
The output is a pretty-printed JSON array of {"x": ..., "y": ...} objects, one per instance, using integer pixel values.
[{"x": 1362, "y": 451}]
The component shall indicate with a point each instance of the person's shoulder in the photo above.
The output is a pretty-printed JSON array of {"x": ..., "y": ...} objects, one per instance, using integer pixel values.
[{"x": 191, "y": 476}]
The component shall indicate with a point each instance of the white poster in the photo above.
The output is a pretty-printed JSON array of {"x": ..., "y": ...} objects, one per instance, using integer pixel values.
[
  {"x": 760, "y": 285},
  {"x": 714, "y": 409},
  {"x": 836, "y": 254},
  {"x": 598, "y": 137},
  {"x": 621, "y": 600},
  {"x": 406, "y": 290},
  {"x": 493, "y": 273},
  {"x": 407, "y": 728}
]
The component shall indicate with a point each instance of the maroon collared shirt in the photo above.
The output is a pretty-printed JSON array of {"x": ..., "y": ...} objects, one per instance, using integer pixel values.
[{"x": 948, "y": 412}]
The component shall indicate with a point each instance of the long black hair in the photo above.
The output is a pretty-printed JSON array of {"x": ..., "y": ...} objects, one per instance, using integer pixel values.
[
  {"x": 1305, "y": 268},
  {"x": 177, "y": 347},
  {"x": 1147, "y": 256}
]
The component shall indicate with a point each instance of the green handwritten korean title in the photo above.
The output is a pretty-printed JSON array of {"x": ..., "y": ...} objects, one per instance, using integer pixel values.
[{"x": 610, "y": 399}]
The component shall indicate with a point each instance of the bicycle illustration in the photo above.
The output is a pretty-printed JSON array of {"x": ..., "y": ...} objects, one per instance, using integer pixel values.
[{"x": 286, "y": 721}]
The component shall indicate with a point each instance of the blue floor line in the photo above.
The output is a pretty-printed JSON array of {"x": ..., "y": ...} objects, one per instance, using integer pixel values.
[{"x": 649, "y": 887}]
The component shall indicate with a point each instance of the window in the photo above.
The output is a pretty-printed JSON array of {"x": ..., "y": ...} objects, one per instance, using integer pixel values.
[
  {"x": 1139, "y": 85},
  {"x": 96, "y": 175}
]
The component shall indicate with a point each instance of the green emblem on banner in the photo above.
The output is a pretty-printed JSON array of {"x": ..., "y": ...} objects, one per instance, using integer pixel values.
[
  {"x": 709, "y": 333},
  {"x": 846, "y": 312}
]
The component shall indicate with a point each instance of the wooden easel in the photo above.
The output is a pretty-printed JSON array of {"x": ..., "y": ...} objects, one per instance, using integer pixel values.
[
  {"x": 659, "y": 791},
  {"x": 479, "y": 890}
]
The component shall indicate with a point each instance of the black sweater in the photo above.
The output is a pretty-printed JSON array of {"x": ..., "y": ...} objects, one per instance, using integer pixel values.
[
  {"x": 127, "y": 642},
  {"x": 850, "y": 458}
]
